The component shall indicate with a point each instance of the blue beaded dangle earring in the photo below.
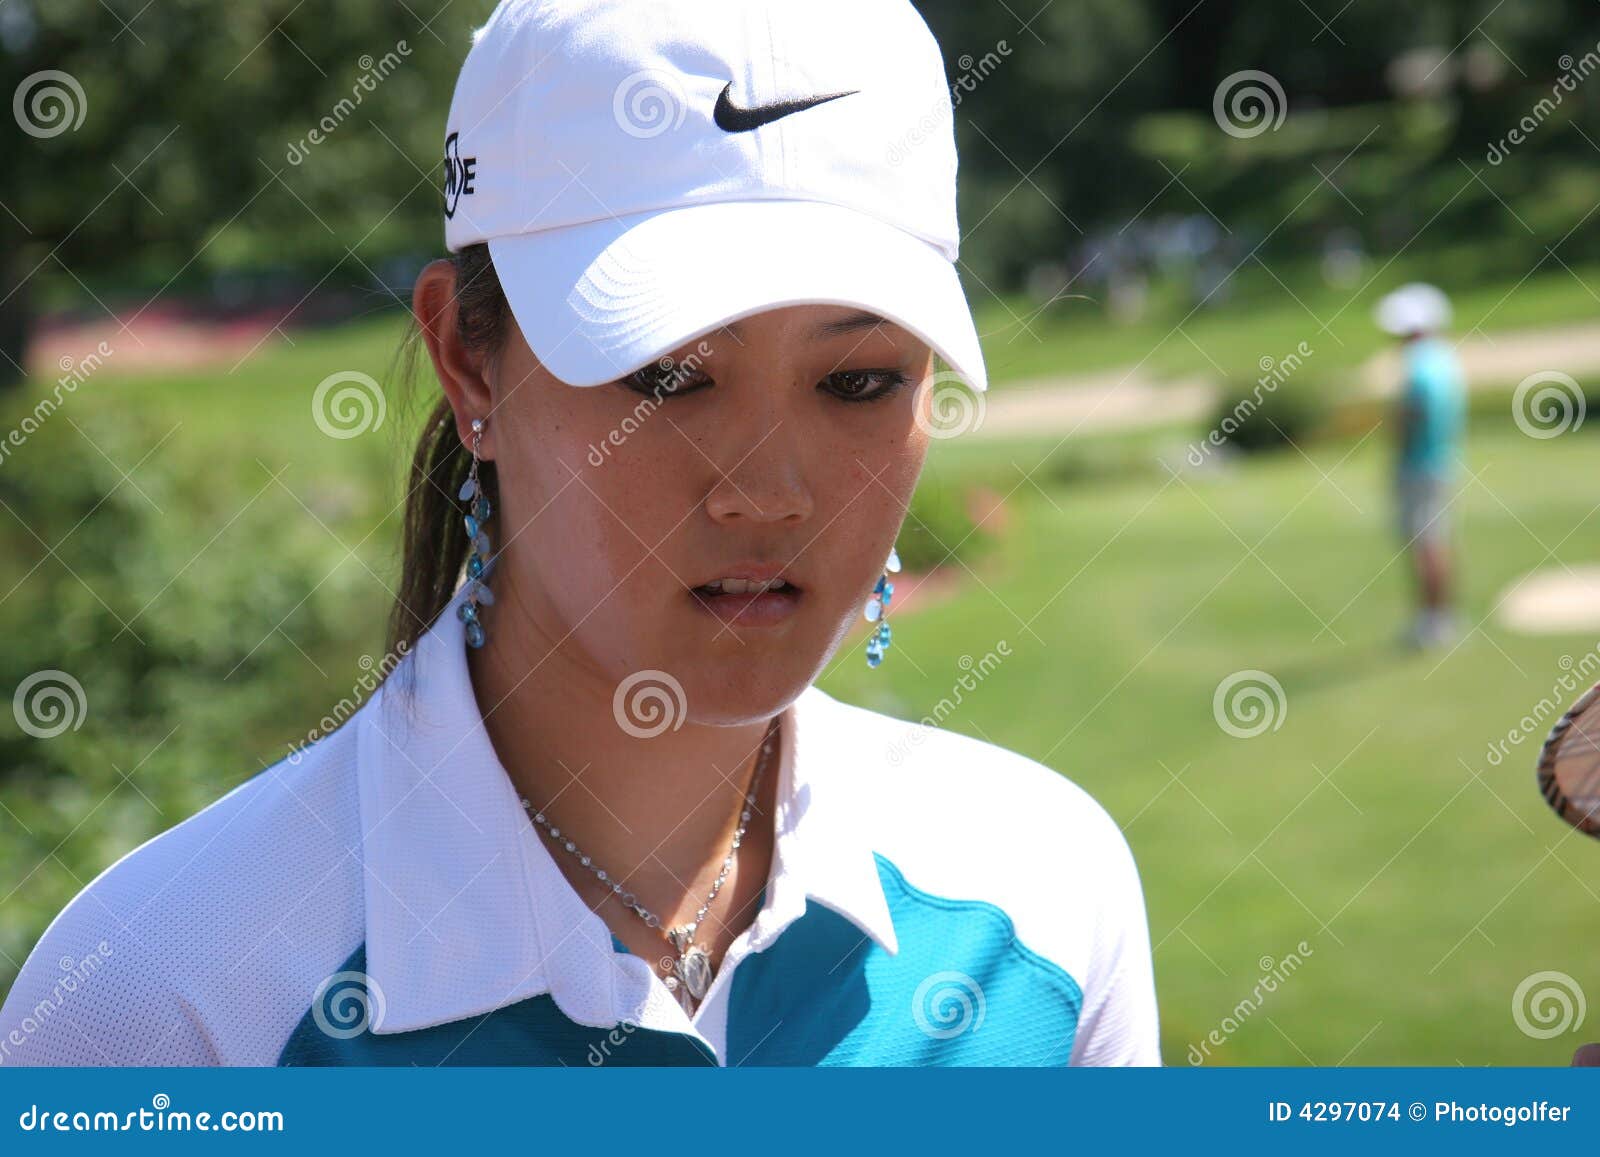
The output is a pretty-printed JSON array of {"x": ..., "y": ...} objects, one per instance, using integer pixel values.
[
  {"x": 478, "y": 563},
  {"x": 878, "y": 610}
]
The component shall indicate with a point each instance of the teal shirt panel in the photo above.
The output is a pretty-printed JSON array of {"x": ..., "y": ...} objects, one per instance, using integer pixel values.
[
  {"x": 1435, "y": 396},
  {"x": 962, "y": 990}
]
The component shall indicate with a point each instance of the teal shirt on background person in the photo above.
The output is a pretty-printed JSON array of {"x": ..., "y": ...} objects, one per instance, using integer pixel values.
[{"x": 1434, "y": 393}]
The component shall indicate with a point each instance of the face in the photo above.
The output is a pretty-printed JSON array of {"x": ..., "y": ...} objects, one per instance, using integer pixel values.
[{"x": 785, "y": 445}]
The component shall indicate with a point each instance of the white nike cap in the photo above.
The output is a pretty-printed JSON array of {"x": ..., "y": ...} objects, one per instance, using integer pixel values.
[
  {"x": 646, "y": 171},
  {"x": 1414, "y": 308}
]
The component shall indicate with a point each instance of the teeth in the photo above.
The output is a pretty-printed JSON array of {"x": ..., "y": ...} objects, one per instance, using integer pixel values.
[{"x": 737, "y": 586}]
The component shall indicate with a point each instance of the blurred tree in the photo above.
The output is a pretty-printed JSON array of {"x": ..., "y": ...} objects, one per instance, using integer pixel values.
[
  {"x": 159, "y": 146},
  {"x": 154, "y": 146}
]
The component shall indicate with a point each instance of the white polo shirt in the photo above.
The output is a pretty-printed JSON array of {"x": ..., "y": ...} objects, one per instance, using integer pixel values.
[{"x": 384, "y": 899}]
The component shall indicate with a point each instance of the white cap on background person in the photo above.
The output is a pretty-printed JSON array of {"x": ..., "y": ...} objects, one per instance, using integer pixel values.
[
  {"x": 1413, "y": 308},
  {"x": 646, "y": 171}
]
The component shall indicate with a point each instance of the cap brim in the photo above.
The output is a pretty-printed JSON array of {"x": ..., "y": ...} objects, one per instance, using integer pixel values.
[{"x": 600, "y": 300}]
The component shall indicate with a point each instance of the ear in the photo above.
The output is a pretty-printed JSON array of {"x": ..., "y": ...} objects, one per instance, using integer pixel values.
[{"x": 460, "y": 371}]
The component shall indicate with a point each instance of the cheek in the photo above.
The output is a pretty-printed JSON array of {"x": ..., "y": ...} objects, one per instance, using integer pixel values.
[
  {"x": 611, "y": 506},
  {"x": 878, "y": 460},
  {"x": 865, "y": 482}
]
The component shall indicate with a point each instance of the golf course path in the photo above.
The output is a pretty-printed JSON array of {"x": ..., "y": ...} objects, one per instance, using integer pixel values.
[{"x": 1131, "y": 398}]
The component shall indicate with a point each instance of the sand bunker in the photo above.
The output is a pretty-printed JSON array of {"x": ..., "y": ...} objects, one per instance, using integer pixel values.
[{"x": 1552, "y": 602}]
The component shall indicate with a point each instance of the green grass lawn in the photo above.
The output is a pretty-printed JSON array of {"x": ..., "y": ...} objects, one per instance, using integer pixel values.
[
  {"x": 1263, "y": 317},
  {"x": 1426, "y": 883}
]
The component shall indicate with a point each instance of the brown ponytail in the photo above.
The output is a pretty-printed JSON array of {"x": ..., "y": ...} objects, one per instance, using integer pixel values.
[{"x": 435, "y": 541}]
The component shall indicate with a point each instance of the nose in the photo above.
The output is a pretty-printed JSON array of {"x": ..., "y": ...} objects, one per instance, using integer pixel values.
[{"x": 761, "y": 478}]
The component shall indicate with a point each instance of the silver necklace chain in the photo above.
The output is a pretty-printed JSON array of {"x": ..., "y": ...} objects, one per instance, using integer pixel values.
[{"x": 692, "y": 971}]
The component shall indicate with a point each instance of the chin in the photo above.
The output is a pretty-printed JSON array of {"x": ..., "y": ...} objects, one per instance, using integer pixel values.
[{"x": 746, "y": 690}]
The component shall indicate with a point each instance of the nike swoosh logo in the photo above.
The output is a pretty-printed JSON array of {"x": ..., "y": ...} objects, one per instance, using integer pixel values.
[{"x": 731, "y": 118}]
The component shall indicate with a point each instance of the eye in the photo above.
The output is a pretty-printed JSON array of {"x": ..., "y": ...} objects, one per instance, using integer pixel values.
[
  {"x": 665, "y": 379},
  {"x": 863, "y": 385}
]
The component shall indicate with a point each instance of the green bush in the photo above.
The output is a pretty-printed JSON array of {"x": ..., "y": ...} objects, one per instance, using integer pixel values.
[
  {"x": 939, "y": 528},
  {"x": 140, "y": 612},
  {"x": 1265, "y": 414}
]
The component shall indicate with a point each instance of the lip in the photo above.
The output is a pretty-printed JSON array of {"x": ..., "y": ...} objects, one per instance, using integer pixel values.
[
  {"x": 767, "y": 609},
  {"x": 753, "y": 610},
  {"x": 752, "y": 571}
]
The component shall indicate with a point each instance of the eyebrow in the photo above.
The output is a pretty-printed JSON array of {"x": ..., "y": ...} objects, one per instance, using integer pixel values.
[{"x": 850, "y": 323}]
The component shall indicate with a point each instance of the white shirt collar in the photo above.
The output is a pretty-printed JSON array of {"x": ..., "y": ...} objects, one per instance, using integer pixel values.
[{"x": 466, "y": 910}]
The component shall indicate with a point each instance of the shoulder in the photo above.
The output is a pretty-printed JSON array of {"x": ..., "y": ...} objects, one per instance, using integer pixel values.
[
  {"x": 926, "y": 771},
  {"x": 964, "y": 819},
  {"x": 189, "y": 948}
]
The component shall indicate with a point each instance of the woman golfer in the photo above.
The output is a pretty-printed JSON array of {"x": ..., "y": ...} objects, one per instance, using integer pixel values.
[{"x": 702, "y": 259}]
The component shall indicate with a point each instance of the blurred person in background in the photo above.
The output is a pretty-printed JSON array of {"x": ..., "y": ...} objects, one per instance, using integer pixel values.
[{"x": 1429, "y": 425}]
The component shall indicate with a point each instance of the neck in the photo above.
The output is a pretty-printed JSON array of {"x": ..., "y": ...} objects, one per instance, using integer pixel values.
[{"x": 657, "y": 812}]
